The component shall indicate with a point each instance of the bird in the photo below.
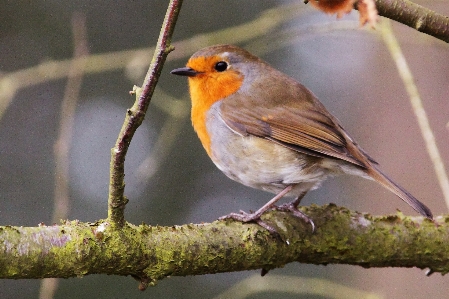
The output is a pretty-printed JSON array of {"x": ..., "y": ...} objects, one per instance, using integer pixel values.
[{"x": 267, "y": 131}]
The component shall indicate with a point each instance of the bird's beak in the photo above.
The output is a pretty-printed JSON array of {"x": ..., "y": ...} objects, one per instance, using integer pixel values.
[{"x": 185, "y": 71}]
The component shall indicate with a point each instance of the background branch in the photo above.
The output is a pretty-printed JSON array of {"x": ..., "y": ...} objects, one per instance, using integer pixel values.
[
  {"x": 415, "y": 16},
  {"x": 418, "y": 108},
  {"x": 309, "y": 288},
  {"x": 435, "y": 24},
  {"x": 61, "y": 202}
]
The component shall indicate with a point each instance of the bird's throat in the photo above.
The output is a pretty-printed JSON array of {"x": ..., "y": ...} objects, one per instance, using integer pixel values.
[{"x": 204, "y": 92}]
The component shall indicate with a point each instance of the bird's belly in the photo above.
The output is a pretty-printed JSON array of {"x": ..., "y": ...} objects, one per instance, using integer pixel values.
[{"x": 261, "y": 163}]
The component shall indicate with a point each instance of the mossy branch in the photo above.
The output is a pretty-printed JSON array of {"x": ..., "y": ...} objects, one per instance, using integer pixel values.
[{"x": 151, "y": 253}]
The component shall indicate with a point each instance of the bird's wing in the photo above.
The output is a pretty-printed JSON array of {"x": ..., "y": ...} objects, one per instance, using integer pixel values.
[
  {"x": 299, "y": 126},
  {"x": 305, "y": 126}
]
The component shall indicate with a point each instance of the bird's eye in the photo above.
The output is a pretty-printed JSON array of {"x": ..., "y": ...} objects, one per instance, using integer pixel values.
[{"x": 221, "y": 66}]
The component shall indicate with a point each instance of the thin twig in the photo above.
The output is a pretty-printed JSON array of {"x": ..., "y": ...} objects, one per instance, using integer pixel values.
[
  {"x": 61, "y": 147},
  {"x": 135, "y": 116},
  {"x": 417, "y": 105}
]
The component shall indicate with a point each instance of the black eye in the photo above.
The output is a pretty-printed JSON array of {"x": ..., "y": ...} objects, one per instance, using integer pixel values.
[{"x": 221, "y": 66}]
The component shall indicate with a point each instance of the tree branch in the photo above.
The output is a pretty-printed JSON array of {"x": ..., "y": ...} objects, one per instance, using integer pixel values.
[
  {"x": 152, "y": 253},
  {"x": 135, "y": 115},
  {"x": 415, "y": 16}
]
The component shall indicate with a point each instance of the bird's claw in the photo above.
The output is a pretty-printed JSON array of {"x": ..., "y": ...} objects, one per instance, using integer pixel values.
[
  {"x": 250, "y": 217},
  {"x": 255, "y": 217},
  {"x": 290, "y": 207}
]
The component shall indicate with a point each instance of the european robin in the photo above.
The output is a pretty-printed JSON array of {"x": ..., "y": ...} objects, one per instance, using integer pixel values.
[{"x": 267, "y": 131}]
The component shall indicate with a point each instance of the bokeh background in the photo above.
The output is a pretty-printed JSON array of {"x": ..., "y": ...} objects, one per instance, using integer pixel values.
[{"x": 170, "y": 180}]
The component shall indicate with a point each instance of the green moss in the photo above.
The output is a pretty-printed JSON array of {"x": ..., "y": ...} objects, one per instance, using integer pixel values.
[{"x": 151, "y": 253}]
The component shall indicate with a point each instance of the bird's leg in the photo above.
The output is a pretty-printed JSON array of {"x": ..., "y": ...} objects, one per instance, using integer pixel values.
[
  {"x": 255, "y": 217},
  {"x": 293, "y": 208}
]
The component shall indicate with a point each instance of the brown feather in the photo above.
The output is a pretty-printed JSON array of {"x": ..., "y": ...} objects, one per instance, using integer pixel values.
[{"x": 300, "y": 124}]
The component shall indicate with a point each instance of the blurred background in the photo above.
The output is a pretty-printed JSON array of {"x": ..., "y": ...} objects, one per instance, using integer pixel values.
[{"x": 56, "y": 133}]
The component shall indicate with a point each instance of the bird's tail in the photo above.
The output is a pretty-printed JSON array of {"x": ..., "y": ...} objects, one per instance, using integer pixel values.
[{"x": 385, "y": 181}]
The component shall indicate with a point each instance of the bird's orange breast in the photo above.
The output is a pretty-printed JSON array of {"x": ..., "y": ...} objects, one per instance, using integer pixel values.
[{"x": 206, "y": 88}]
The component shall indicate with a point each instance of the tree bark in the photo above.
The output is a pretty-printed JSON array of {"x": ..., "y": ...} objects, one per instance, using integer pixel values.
[{"x": 151, "y": 253}]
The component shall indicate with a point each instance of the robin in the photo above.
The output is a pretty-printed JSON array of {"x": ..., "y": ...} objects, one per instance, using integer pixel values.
[{"x": 267, "y": 131}]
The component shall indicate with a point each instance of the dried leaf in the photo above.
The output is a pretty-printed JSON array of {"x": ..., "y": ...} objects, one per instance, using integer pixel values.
[
  {"x": 368, "y": 12},
  {"x": 367, "y": 9},
  {"x": 340, "y": 7}
]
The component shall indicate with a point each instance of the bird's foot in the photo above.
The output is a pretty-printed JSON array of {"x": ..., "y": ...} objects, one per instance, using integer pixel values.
[
  {"x": 250, "y": 217},
  {"x": 291, "y": 207}
]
